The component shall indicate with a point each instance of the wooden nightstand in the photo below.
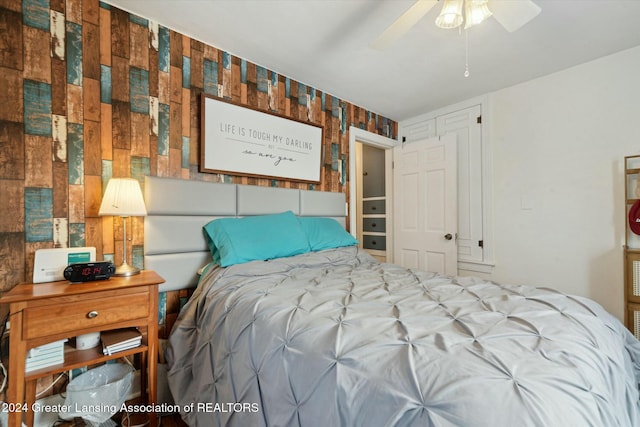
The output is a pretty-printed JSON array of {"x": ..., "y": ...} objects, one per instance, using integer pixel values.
[{"x": 47, "y": 312}]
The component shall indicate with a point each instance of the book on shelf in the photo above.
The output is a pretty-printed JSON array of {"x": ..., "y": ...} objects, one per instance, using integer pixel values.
[
  {"x": 44, "y": 356},
  {"x": 120, "y": 340}
]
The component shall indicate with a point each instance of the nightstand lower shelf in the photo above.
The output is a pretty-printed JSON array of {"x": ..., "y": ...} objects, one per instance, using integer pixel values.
[{"x": 79, "y": 358}]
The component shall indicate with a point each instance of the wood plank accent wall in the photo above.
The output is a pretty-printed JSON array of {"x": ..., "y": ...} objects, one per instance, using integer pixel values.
[{"x": 89, "y": 92}]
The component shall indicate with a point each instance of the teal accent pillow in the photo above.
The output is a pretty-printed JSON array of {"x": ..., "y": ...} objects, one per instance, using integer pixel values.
[
  {"x": 239, "y": 240},
  {"x": 325, "y": 233}
]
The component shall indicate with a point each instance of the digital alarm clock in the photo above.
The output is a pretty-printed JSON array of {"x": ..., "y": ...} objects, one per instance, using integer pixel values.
[{"x": 88, "y": 271}]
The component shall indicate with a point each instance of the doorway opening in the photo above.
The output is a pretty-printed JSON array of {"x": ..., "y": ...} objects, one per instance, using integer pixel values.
[
  {"x": 370, "y": 195},
  {"x": 371, "y": 219}
]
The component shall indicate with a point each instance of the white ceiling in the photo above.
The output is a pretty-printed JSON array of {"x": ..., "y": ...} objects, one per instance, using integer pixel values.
[{"x": 324, "y": 44}]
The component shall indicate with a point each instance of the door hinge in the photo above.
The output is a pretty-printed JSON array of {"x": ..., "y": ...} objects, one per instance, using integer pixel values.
[
  {"x": 481, "y": 243},
  {"x": 479, "y": 119}
]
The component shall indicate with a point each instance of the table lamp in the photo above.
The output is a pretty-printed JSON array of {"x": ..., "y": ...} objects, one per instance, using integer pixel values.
[{"x": 123, "y": 198}]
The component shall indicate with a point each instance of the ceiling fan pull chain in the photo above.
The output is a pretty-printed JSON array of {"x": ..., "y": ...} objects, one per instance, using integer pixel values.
[{"x": 466, "y": 53}]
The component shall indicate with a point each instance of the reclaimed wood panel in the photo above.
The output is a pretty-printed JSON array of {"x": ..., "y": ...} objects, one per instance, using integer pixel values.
[
  {"x": 12, "y": 151},
  {"x": 154, "y": 78},
  {"x": 38, "y": 165},
  {"x": 11, "y": 87},
  {"x": 60, "y": 190},
  {"x": 186, "y": 46},
  {"x": 175, "y": 49},
  {"x": 75, "y": 113},
  {"x": 121, "y": 125},
  {"x": 36, "y": 65},
  {"x": 235, "y": 81},
  {"x": 186, "y": 112},
  {"x": 74, "y": 11},
  {"x": 197, "y": 70},
  {"x": 58, "y": 87},
  {"x": 92, "y": 148},
  {"x": 211, "y": 53},
  {"x": 74, "y": 54},
  {"x": 119, "y": 33},
  {"x": 164, "y": 87},
  {"x": 108, "y": 246},
  {"x": 119, "y": 79},
  {"x": 12, "y": 254},
  {"x": 140, "y": 135},
  {"x": 59, "y": 138},
  {"x": 91, "y": 50},
  {"x": 92, "y": 196},
  {"x": 91, "y": 11},
  {"x": 106, "y": 132},
  {"x": 194, "y": 124},
  {"x": 175, "y": 162},
  {"x": 37, "y": 108},
  {"x": 105, "y": 36},
  {"x": 163, "y": 165},
  {"x": 76, "y": 203},
  {"x": 139, "y": 90},
  {"x": 139, "y": 46},
  {"x": 38, "y": 208},
  {"x": 57, "y": 5},
  {"x": 121, "y": 162},
  {"x": 226, "y": 77},
  {"x": 35, "y": 14},
  {"x": 75, "y": 152},
  {"x": 11, "y": 31},
  {"x": 163, "y": 129},
  {"x": 12, "y": 196},
  {"x": 175, "y": 80},
  {"x": 58, "y": 35},
  {"x": 175, "y": 125},
  {"x": 136, "y": 230},
  {"x": 11, "y": 5},
  {"x": 91, "y": 99},
  {"x": 164, "y": 53},
  {"x": 153, "y": 155},
  {"x": 106, "y": 92},
  {"x": 93, "y": 234}
]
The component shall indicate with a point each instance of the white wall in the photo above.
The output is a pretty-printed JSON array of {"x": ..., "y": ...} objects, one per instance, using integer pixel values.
[{"x": 558, "y": 144}]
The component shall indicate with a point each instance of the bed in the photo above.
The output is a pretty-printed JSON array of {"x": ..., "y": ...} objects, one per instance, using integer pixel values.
[{"x": 331, "y": 337}]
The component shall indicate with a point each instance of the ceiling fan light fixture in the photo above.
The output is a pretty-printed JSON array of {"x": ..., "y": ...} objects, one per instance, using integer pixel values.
[
  {"x": 476, "y": 11},
  {"x": 451, "y": 14}
]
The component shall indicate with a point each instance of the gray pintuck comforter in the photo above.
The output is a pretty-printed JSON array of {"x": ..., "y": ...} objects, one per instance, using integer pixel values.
[{"x": 334, "y": 338}]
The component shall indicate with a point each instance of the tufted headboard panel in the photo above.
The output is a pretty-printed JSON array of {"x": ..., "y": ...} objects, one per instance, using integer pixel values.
[{"x": 174, "y": 244}]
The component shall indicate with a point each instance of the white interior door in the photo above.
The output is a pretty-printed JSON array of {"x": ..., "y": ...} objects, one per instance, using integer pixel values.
[
  {"x": 425, "y": 204},
  {"x": 468, "y": 129}
]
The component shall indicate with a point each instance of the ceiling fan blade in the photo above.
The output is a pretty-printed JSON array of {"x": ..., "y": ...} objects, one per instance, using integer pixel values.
[
  {"x": 403, "y": 24},
  {"x": 513, "y": 14}
]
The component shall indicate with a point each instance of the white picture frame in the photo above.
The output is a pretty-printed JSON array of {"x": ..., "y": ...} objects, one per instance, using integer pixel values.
[{"x": 241, "y": 140}]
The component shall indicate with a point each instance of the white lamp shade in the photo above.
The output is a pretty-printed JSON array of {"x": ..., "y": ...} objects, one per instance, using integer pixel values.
[
  {"x": 123, "y": 197},
  {"x": 451, "y": 14},
  {"x": 475, "y": 13}
]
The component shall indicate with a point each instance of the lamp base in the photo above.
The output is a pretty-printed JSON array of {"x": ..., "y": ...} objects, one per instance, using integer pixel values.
[{"x": 126, "y": 270}]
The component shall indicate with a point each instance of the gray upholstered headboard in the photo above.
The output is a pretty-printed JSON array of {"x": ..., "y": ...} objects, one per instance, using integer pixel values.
[{"x": 174, "y": 244}]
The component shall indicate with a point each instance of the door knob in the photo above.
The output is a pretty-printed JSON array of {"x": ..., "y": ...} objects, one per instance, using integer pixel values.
[{"x": 448, "y": 236}]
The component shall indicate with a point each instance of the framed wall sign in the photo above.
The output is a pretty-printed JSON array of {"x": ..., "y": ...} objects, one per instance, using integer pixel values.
[{"x": 240, "y": 140}]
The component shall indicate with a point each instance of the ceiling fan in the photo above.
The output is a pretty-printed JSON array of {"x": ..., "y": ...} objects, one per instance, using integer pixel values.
[{"x": 511, "y": 14}]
